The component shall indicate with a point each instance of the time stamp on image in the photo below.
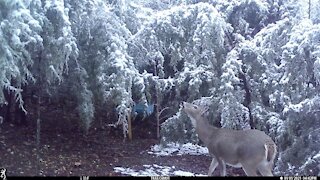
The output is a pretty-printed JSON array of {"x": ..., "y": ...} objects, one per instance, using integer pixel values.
[{"x": 298, "y": 177}]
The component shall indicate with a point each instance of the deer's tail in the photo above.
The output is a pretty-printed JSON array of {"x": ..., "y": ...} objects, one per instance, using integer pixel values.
[{"x": 271, "y": 151}]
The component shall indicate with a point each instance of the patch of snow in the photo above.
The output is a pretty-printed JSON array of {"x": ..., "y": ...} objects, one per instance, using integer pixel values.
[
  {"x": 126, "y": 171},
  {"x": 177, "y": 149},
  {"x": 168, "y": 150},
  {"x": 155, "y": 170},
  {"x": 183, "y": 173},
  {"x": 317, "y": 156}
]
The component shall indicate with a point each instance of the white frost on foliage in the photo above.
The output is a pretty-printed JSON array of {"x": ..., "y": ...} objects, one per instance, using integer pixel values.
[
  {"x": 297, "y": 107},
  {"x": 285, "y": 79},
  {"x": 197, "y": 76},
  {"x": 204, "y": 101},
  {"x": 276, "y": 125},
  {"x": 175, "y": 148},
  {"x": 317, "y": 156},
  {"x": 166, "y": 84},
  {"x": 59, "y": 6}
]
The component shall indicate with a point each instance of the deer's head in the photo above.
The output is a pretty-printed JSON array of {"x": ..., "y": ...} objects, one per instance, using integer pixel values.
[{"x": 194, "y": 112}]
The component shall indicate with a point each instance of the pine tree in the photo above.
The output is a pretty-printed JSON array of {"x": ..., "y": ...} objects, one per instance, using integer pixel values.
[{"x": 19, "y": 34}]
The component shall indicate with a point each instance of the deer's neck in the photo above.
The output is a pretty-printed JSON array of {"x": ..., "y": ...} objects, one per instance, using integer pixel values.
[{"x": 205, "y": 131}]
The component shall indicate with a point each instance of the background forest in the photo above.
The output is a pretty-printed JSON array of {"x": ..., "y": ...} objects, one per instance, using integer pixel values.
[{"x": 253, "y": 63}]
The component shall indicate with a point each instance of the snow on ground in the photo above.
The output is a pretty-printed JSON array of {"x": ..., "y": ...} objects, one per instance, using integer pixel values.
[
  {"x": 168, "y": 150},
  {"x": 155, "y": 170},
  {"x": 177, "y": 149}
]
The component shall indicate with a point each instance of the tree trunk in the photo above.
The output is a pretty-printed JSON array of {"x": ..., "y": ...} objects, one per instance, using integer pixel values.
[
  {"x": 38, "y": 130},
  {"x": 247, "y": 99},
  {"x": 129, "y": 127},
  {"x": 38, "y": 133},
  {"x": 157, "y": 101},
  {"x": 309, "y": 10},
  {"x": 158, "y": 115}
]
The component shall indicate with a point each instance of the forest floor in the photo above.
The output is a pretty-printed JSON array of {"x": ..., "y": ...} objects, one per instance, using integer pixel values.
[{"x": 70, "y": 153}]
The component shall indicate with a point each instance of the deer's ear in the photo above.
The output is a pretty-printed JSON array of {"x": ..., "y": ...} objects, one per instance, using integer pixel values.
[{"x": 204, "y": 112}]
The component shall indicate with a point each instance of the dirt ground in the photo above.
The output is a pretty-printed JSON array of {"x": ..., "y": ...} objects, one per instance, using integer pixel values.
[{"x": 69, "y": 153}]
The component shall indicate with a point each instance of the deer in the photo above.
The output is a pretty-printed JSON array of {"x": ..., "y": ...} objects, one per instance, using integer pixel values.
[{"x": 250, "y": 149}]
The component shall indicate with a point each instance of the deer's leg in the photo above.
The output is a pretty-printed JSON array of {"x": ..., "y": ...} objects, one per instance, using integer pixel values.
[
  {"x": 265, "y": 170},
  {"x": 250, "y": 170},
  {"x": 213, "y": 165},
  {"x": 222, "y": 166}
]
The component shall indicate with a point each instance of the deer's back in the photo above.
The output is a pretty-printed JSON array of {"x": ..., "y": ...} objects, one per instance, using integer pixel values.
[{"x": 251, "y": 135}]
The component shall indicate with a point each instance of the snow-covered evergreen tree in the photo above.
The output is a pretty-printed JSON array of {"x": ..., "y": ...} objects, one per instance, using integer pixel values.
[
  {"x": 107, "y": 71},
  {"x": 181, "y": 42},
  {"x": 19, "y": 34},
  {"x": 184, "y": 43},
  {"x": 280, "y": 62},
  {"x": 234, "y": 114},
  {"x": 59, "y": 43}
]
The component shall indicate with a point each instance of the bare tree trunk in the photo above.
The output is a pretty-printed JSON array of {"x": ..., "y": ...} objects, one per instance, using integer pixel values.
[
  {"x": 157, "y": 102},
  {"x": 38, "y": 136},
  {"x": 158, "y": 113},
  {"x": 129, "y": 126},
  {"x": 247, "y": 99},
  {"x": 38, "y": 131},
  {"x": 309, "y": 10}
]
